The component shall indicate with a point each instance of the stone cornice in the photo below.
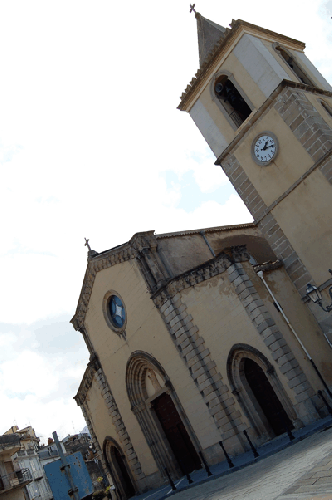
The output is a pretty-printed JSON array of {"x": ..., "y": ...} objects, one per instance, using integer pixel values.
[
  {"x": 209, "y": 269},
  {"x": 238, "y": 28},
  {"x": 92, "y": 367},
  {"x": 268, "y": 266},
  {"x": 247, "y": 125},
  {"x": 85, "y": 384},
  {"x": 216, "y": 229},
  {"x": 140, "y": 245}
]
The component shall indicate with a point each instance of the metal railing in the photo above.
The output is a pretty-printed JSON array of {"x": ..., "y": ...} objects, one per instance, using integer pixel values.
[{"x": 14, "y": 479}]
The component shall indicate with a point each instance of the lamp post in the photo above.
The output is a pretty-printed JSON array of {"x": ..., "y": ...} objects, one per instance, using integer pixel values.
[{"x": 315, "y": 295}]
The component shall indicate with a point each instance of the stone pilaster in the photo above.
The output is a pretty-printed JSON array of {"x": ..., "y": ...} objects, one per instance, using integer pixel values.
[
  {"x": 191, "y": 345},
  {"x": 268, "y": 225},
  {"x": 117, "y": 420},
  {"x": 276, "y": 343},
  {"x": 94, "y": 372}
]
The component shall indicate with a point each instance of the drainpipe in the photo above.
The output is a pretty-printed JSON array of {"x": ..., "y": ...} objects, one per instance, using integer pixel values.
[
  {"x": 276, "y": 303},
  {"x": 202, "y": 233}
]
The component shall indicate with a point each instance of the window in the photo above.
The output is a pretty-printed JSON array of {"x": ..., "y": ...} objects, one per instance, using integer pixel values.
[
  {"x": 231, "y": 100},
  {"x": 290, "y": 61}
]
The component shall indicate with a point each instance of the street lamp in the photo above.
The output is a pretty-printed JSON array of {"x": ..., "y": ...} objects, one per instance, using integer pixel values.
[{"x": 315, "y": 295}]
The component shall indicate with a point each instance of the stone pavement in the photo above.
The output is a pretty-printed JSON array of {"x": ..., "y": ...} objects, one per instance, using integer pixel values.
[{"x": 300, "y": 471}]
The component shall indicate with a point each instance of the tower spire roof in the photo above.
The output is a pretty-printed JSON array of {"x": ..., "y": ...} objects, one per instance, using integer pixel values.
[{"x": 209, "y": 34}]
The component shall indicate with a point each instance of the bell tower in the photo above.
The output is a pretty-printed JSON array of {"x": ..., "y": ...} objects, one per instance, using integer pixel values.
[{"x": 266, "y": 113}]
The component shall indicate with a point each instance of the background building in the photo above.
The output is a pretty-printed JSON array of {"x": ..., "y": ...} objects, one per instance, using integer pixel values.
[{"x": 14, "y": 480}]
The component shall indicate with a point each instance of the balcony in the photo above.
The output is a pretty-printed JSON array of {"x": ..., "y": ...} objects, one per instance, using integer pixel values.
[{"x": 15, "y": 479}]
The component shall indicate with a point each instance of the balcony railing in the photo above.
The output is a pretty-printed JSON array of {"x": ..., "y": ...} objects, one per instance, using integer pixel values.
[{"x": 15, "y": 479}]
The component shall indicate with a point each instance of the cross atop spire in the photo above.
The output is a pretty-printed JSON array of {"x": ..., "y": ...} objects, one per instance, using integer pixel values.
[
  {"x": 86, "y": 244},
  {"x": 192, "y": 8}
]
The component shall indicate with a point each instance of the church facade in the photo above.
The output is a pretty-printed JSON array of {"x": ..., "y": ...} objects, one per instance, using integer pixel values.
[{"x": 197, "y": 336}]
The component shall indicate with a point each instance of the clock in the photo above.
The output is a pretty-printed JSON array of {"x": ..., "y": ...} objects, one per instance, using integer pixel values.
[{"x": 264, "y": 148}]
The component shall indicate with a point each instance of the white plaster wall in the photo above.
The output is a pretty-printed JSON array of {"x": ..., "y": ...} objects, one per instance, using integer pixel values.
[
  {"x": 263, "y": 68},
  {"x": 312, "y": 69},
  {"x": 208, "y": 128}
]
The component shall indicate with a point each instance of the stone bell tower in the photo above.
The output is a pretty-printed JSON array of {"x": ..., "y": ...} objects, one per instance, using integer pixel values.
[{"x": 266, "y": 113}]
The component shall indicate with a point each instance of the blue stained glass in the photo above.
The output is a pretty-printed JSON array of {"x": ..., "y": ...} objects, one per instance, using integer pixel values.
[{"x": 117, "y": 311}]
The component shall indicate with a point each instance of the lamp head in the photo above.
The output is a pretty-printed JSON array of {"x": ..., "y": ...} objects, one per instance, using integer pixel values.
[{"x": 314, "y": 293}]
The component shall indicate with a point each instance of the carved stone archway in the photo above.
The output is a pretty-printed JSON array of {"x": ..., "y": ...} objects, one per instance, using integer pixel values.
[
  {"x": 147, "y": 383},
  {"x": 119, "y": 470},
  {"x": 241, "y": 359}
]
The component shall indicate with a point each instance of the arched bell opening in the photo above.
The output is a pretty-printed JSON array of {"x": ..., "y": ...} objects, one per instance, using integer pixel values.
[
  {"x": 119, "y": 470},
  {"x": 294, "y": 65},
  {"x": 161, "y": 417},
  {"x": 260, "y": 393},
  {"x": 232, "y": 101}
]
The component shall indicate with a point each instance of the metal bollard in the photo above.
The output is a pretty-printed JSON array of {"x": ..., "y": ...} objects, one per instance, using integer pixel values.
[
  {"x": 286, "y": 426},
  {"x": 253, "y": 449},
  {"x": 170, "y": 480},
  {"x": 228, "y": 458},
  {"x": 189, "y": 478},
  {"x": 209, "y": 473}
]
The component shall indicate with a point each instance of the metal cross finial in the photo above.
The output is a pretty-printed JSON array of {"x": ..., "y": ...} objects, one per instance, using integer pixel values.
[
  {"x": 86, "y": 244},
  {"x": 192, "y": 8}
]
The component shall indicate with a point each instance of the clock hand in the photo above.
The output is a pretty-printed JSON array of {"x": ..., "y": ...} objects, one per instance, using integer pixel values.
[{"x": 265, "y": 146}]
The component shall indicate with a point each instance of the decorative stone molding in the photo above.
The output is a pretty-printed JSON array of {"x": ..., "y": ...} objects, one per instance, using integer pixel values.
[
  {"x": 194, "y": 276},
  {"x": 196, "y": 356},
  {"x": 137, "y": 366},
  {"x": 268, "y": 266},
  {"x": 243, "y": 393},
  {"x": 95, "y": 372},
  {"x": 274, "y": 340},
  {"x": 87, "y": 380},
  {"x": 108, "y": 447},
  {"x": 143, "y": 247}
]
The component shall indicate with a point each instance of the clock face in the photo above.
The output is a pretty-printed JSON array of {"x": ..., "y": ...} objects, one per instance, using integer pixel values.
[{"x": 265, "y": 148}]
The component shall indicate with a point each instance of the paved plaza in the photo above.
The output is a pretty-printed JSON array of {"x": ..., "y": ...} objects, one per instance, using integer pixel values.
[{"x": 300, "y": 471}]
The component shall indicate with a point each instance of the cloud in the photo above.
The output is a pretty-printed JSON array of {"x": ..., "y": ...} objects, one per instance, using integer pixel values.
[{"x": 41, "y": 366}]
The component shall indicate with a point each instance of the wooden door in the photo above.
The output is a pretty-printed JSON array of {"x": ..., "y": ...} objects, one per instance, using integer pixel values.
[
  {"x": 176, "y": 434},
  {"x": 266, "y": 397}
]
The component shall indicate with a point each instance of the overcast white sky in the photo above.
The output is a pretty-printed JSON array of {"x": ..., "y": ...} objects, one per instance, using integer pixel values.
[{"x": 91, "y": 144}]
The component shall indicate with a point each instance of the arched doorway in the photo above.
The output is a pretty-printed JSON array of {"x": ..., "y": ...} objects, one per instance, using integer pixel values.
[
  {"x": 116, "y": 462},
  {"x": 161, "y": 416},
  {"x": 260, "y": 393},
  {"x": 176, "y": 433},
  {"x": 266, "y": 397}
]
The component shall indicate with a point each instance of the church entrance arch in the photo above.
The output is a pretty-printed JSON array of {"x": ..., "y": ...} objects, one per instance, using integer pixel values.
[
  {"x": 161, "y": 417},
  {"x": 259, "y": 391},
  {"x": 119, "y": 470}
]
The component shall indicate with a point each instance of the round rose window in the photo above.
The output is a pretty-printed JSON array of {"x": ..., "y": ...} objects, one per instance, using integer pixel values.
[{"x": 116, "y": 311}]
